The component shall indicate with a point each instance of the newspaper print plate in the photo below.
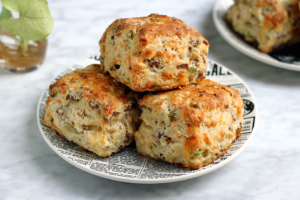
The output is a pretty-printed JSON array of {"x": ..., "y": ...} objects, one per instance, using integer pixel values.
[
  {"x": 289, "y": 62},
  {"x": 126, "y": 165}
]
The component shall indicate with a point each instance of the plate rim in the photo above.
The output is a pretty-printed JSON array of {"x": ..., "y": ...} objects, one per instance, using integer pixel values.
[
  {"x": 253, "y": 53},
  {"x": 154, "y": 181}
]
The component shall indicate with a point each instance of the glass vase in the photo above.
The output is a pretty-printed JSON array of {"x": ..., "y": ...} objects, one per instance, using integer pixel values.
[{"x": 19, "y": 56}]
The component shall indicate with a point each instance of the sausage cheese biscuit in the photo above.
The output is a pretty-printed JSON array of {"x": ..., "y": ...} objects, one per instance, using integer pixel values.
[
  {"x": 153, "y": 53},
  {"x": 269, "y": 24},
  {"x": 190, "y": 127},
  {"x": 92, "y": 110}
]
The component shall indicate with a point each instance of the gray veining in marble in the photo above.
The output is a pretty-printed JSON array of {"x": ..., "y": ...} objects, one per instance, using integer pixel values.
[{"x": 29, "y": 169}]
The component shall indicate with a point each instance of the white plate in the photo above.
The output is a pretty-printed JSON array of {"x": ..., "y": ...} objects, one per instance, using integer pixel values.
[
  {"x": 126, "y": 165},
  {"x": 219, "y": 11}
]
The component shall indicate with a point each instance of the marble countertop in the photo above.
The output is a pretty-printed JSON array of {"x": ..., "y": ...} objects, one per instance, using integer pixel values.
[{"x": 267, "y": 169}]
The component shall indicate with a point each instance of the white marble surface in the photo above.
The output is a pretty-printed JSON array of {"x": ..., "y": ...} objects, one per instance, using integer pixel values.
[{"x": 29, "y": 169}]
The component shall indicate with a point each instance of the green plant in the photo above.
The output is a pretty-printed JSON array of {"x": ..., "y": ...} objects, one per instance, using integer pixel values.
[{"x": 34, "y": 23}]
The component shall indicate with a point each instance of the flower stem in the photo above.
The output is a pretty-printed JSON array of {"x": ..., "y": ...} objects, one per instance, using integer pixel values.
[
  {"x": 24, "y": 46},
  {"x": 17, "y": 39}
]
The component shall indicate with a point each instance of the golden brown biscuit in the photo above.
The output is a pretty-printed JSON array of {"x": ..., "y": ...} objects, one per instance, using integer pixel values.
[
  {"x": 153, "y": 53},
  {"x": 190, "y": 127},
  {"x": 270, "y": 24},
  {"x": 92, "y": 110}
]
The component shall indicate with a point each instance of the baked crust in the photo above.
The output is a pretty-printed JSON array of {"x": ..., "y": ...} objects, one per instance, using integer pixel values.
[
  {"x": 153, "y": 53},
  {"x": 190, "y": 127},
  {"x": 198, "y": 165},
  {"x": 269, "y": 24},
  {"x": 92, "y": 110}
]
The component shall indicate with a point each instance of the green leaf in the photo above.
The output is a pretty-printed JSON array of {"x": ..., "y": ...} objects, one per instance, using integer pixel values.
[
  {"x": 173, "y": 115},
  {"x": 199, "y": 153},
  {"x": 248, "y": 33},
  {"x": 151, "y": 153},
  {"x": 35, "y": 22},
  {"x": 193, "y": 69},
  {"x": 129, "y": 40},
  {"x": 129, "y": 43},
  {"x": 289, "y": 26},
  {"x": 287, "y": 4},
  {"x": 133, "y": 36},
  {"x": 12, "y": 5},
  {"x": 5, "y": 14},
  {"x": 152, "y": 148}
]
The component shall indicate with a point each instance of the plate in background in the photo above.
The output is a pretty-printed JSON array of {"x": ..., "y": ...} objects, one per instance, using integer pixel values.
[
  {"x": 126, "y": 165},
  {"x": 219, "y": 11}
]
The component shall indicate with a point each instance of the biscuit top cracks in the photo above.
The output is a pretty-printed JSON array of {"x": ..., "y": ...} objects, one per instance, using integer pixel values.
[
  {"x": 101, "y": 91},
  {"x": 153, "y": 53},
  {"x": 192, "y": 104}
]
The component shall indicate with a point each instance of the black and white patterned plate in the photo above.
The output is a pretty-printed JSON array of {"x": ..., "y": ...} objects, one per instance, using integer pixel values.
[
  {"x": 126, "y": 165},
  {"x": 286, "y": 59}
]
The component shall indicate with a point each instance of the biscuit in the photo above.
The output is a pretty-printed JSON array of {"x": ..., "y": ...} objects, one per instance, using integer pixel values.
[
  {"x": 153, "y": 53},
  {"x": 190, "y": 127},
  {"x": 92, "y": 110},
  {"x": 271, "y": 25}
]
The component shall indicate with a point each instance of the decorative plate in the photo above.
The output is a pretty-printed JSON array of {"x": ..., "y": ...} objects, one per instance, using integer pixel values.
[
  {"x": 283, "y": 59},
  {"x": 126, "y": 165}
]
